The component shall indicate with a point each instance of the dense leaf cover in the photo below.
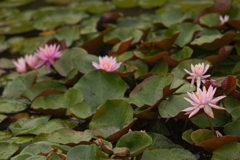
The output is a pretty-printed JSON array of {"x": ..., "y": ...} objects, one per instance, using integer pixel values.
[{"x": 75, "y": 111}]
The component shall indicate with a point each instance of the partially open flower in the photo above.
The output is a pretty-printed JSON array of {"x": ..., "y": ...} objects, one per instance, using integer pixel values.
[
  {"x": 223, "y": 20},
  {"x": 198, "y": 72},
  {"x": 203, "y": 100},
  {"x": 20, "y": 65},
  {"x": 31, "y": 60},
  {"x": 107, "y": 63},
  {"x": 48, "y": 54}
]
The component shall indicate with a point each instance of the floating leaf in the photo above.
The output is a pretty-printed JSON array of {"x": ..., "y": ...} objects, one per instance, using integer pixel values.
[
  {"x": 8, "y": 149},
  {"x": 131, "y": 141},
  {"x": 82, "y": 152},
  {"x": 125, "y": 3},
  {"x": 98, "y": 86},
  {"x": 121, "y": 47},
  {"x": 141, "y": 65},
  {"x": 2, "y": 117},
  {"x": 10, "y": 105},
  {"x": 151, "y": 3},
  {"x": 6, "y": 63},
  {"x": 211, "y": 19},
  {"x": 65, "y": 136},
  {"x": 102, "y": 125},
  {"x": 83, "y": 63}
]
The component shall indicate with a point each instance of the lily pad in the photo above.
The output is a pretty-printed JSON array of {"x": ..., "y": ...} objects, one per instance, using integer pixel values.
[
  {"x": 82, "y": 152},
  {"x": 131, "y": 141},
  {"x": 102, "y": 125},
  {"x": 98, "y": 86},
  {"x": 151, "y": 3},
  {"x": 65, "y": 136},
  {"x": 8, "y": 149},
  {"x": 11, "y": 105}
]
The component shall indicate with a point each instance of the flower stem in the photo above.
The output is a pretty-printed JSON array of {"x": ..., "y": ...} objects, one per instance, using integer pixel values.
[
  {"x": 210, "y": 122},
  {"x": 185, "y": 125}
]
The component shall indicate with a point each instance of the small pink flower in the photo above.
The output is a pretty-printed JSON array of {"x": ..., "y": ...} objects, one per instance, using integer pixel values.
[
  {"x": 107, "y": 63},
  {"x": 48, "y": 54},
  {"x": 223, "y": 20},
  {"x": 31, "y": 60},
  {"x": 203, "y": 99},
  {"x": 197, "y": 73},
  {"x": 20, "y": 65}
]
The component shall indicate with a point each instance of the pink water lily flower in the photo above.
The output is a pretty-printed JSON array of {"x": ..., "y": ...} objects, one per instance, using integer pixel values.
[
  {"x": 198, "y": 72},
  {"x": 223, "y": 20},
  {"x": 107, "y": 63},
  {"x": 20, "y": 65},
  {"x": 31, "y": 60},
  {"x": 203, "y": 100},
  {"x": 48, "y": 54}
]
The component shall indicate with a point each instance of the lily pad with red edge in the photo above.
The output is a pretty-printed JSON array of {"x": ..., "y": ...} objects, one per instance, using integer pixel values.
[
  {"x": 21, "y": 83},
  {"x": 40, "y": 87},
  {"x": 150, "y": 90},
  {"x": 141, "y": 65},
  {"x": 121, "y": 47},
  {"x": 57, "y": 104},
  {"x": 229, "y": 84},
  {"x": 63, "y": 65},
  {"x": 213, "y": 42},
  {"x": 98, "y": 86},
  {"x": 211, "y": 19},
  {"x": 168, "y": 154},
  {"x": 230, "y": 150},
  {"x": 178, "y": 71},
  {"x": 102, "y": 124},
  {"x": 132, "y": 141},
  {"x": 65, "y": 136},
  {"x": 119, "y": 34},
  {"x": 80, "y": 110}
]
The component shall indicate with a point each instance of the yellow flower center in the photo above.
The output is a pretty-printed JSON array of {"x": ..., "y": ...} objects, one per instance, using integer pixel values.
[
  {"x": 106, "y": 63},
  {"x": 197, "y": 95},
  {"x": 199, "y": 67}
]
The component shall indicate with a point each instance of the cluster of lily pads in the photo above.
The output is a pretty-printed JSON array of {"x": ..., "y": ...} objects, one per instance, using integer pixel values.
[{"x": 81, "y": 80}]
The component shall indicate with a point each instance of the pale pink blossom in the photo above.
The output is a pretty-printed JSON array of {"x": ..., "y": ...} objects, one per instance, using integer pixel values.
[
  {"x": 31, "y": 60},
  {"x": 48, "y": 54},
  {"x": 203, "y": 100},
  {"x": 223, "y": 20},
  {"x": 20, "y": 65},
  {"x": 198, "y": 72},
  {"x": 107, "y": 63}
]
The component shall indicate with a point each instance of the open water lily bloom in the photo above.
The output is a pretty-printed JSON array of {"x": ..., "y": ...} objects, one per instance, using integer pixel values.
[
  {"x": 197, "y": 74},
  {"x": 48, "y": 54},
  {"x": 31, "y": 60},
  {"x": 107, "y": 63},
  {"x": 224, "y": 20},
  {"x": 203, "y": 100}
]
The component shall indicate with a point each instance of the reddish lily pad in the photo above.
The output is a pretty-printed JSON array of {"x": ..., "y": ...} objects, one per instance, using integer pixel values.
[
  {"x": 121, "y": 47},
  {"x": 102, "y": 125},
  {"x": 131, "y": 141},
  {"x": 65, "y": 136}
]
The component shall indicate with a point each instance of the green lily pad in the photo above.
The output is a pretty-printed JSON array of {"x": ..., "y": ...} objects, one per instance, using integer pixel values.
[
  {"x": 131, "y": 141},
  {"x": 187, "y": 136},
  {"x": 82, "y": 152},
  {"x": 202, "y": 135},
  {"x": 65, "y": 136},
  {"x": 173, "y": 106},
  {"x": 119, "y": 34},
  {"x": 161, "y": 142},
  {"x": 2, "y": 117},
  {"x": 186, "y": 52},
  {"x": 102, "y": 124},
  {"x": 18, "y": 140},
  {"x": 6, "y": 63},
  {"x": 4, "y": 45},
  {"x": 8, "y": 149},
  {"x": 80, "y": 110},
  {"x": 134, "y": 23},
  {"x": 125, "y": 3},
  {"x": 229, "y": 151},
  {"x": 22, "y": 156},
  {"x": 69, "y": 34},
  {"x": 151, "y": 3},
  {"x": 150, "y": 90},
  {"x": 141, "y": 65},
  {"x": 63, "y": 65},
  {"x": 10, "y": 105},
  {"x": 57, "y": 104},
  {"x": 57, "y": 18},
  {"x": 36, "y": 125},
  {"x": 83, "y": 63},
  {"x": 211, "y": 19},
  {"x": 38, "y": 88},
  {"x": 43, "y": 147},
  {"x": 186, "y": 64},
  {"x": 168, "y": 154},
  {"x": 17, "y": 86},
  {"x": 221, "y": 117},
  {"x": 160, "y": 68},
  {"x": 14, "y": 3},
  {"x": 5, "y": 134},
  {"x": 232, "y": 128},
  {"x": 98, "y": 86}
]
